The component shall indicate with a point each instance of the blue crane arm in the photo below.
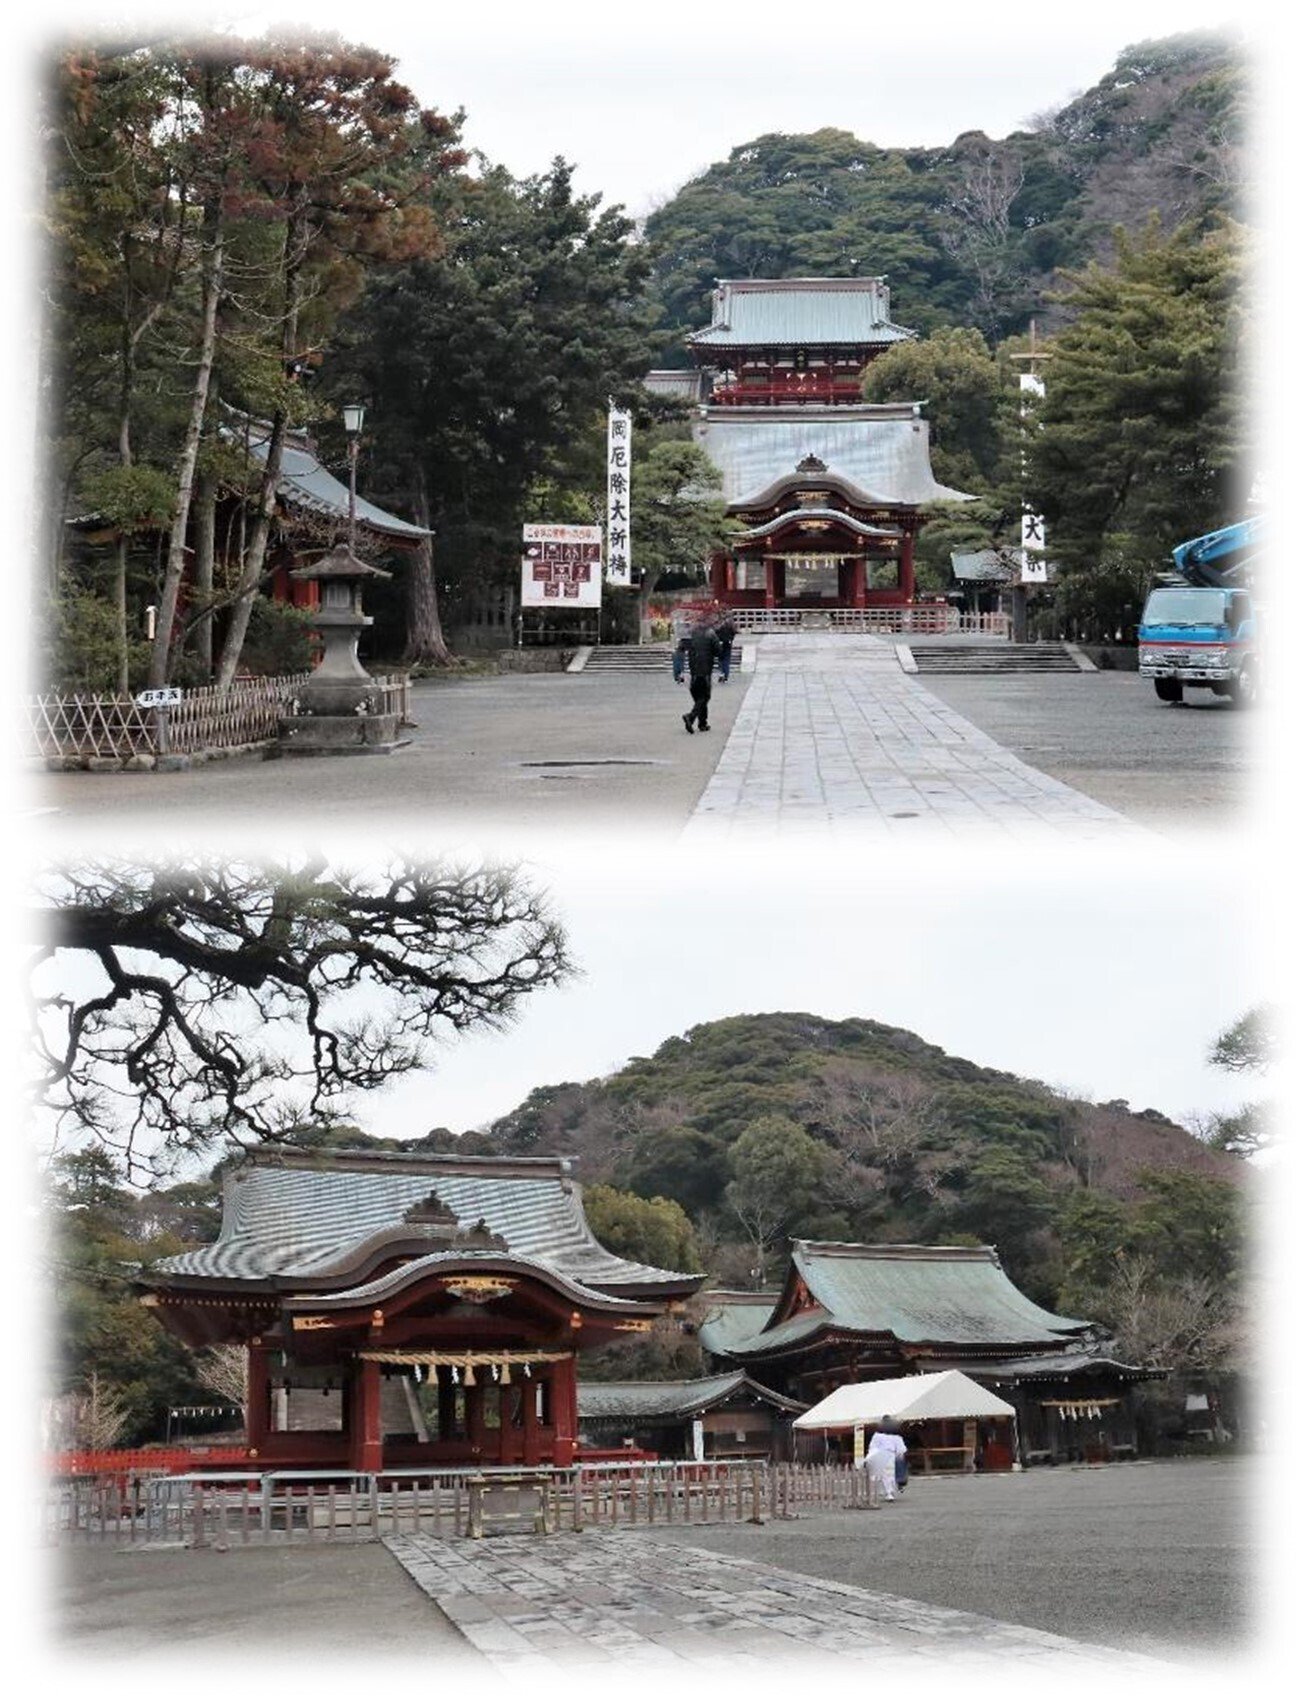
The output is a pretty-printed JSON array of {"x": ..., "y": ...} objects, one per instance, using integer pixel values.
[{"x": 1222, "y": 557}]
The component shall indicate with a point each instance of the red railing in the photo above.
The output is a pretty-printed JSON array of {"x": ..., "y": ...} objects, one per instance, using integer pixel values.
[
  {"x": 84, "y": 1464},
  {"x": 818, "y": 390}
]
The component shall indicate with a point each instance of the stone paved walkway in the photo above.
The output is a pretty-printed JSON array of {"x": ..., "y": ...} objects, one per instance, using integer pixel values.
[
  {"x": 833, "y": 734},
  {"x": 627, "y": 1597}
]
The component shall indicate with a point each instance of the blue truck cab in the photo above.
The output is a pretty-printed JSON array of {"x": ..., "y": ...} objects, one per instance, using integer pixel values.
[{"x": 1200, "y": 630}]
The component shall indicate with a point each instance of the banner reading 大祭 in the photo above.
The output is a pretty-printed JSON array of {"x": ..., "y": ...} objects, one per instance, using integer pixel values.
[
  {"x": 1032, "y": 531},
  {"x": 618, "y": 559},
  {"x": 561, "y": 565}
]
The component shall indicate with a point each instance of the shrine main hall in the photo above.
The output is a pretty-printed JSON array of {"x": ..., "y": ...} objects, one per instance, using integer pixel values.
[{"x": 828, "y": 492}]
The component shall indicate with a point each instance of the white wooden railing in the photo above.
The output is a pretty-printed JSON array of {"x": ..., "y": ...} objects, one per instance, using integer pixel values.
[{"x": 883, "y": 621}]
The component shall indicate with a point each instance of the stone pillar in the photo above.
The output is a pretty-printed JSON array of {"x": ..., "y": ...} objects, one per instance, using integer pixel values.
[{"x": 365, "y": 1427}]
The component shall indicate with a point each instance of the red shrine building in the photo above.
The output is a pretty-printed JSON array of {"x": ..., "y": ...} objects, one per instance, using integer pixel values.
[
  {"x": 828, "y": 491},
  {"x": 407, "y": 1310},
  {"x": 855, "y": 1312}
]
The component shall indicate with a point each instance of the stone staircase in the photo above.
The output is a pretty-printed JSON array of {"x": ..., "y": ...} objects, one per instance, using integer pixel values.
[
  {"x": 646, "y": 657},
  {"x": 999, "y": 657}
]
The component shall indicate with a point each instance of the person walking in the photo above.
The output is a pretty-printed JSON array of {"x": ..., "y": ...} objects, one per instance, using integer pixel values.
[
  {"x": 726, "y": 635},
  {"x": 697, "y": 653},
  {"x": 883, "y": 1453}
]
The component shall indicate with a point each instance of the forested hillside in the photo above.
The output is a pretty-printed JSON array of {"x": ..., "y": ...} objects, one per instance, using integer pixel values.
[
  {"x": 974, "y": 233},
  {"x": 726, "y": 1142}
]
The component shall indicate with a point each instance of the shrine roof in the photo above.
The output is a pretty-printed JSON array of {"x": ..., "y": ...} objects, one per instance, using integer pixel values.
[
  {"x": 324, "y": 1217},
  {"x": 1068, "y": 1364},
  {"x": 912, "y": 1293},
  {"x": 305, "y": 483},
  {"x": 798, "y": 515},
  {"x": 671, "y": 1399},
  {"x": 732, "y": 1315},
  {"x": 878, "y": 455},
  {"x": 985, "y": 565},
  {"x": 800, "y": 311},
  {"x": 478, "y": 1260}
]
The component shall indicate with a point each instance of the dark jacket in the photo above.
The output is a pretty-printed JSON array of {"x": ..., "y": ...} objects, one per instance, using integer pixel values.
[
  {"x": 699, "y": 649},
  {"x": 726, "y": 633}
]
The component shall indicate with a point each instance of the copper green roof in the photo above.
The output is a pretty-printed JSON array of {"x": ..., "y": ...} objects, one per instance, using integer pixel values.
[
  {"x": 323, "y": 1219},
  {"x": 877, "y": 455},
  {"x": 848, "y": 312},
  {"x": 916, "y": 1294},
  {"x": 672, "y": 1399},
  {"x": 730, "y": 1316}
]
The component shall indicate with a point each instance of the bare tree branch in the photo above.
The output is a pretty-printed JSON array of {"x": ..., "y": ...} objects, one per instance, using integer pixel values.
[{"x": 172, "y": 1003}]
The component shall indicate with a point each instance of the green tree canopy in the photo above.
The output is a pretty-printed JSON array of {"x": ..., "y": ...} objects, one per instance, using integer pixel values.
[
  {"x": 1142, "y": 443},
  {"x": 654, "y": 1230}
]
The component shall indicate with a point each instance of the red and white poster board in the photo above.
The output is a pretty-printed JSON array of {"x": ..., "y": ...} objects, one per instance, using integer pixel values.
[{"x": 561, "y": 565}]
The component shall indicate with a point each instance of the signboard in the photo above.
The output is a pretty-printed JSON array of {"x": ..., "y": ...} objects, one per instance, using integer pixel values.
[
  {"x": 618, "y": 569},
  {"x": 159, "y": 698},
  {"x": 697, "y": 1439},
  {"x": 859, "y": 1446},
  {"x": 561, "y": 565}
]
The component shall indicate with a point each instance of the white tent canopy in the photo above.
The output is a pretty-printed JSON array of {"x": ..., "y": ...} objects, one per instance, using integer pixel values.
[{"x": 922, "y": 1396}]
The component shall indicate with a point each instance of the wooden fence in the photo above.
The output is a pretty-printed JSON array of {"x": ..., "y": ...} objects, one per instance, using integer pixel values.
[
  {"x": 79, "y": 730},
  {"x": 224, "y": 1510}
]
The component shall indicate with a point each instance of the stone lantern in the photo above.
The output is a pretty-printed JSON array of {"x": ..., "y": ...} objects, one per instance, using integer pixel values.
[{"x": 339, "y": 710}]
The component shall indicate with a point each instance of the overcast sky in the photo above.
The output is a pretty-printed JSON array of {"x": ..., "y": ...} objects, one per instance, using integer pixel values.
[
  {"x": 1089, "y": 973},
  {"x": 643, "y": 97}
]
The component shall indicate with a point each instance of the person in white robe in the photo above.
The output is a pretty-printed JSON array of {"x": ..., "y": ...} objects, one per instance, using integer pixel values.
[{"x": 882, "y": 1454}]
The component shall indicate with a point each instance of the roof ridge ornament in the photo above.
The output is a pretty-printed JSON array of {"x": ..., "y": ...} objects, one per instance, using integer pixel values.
[{"x": 810, "y": 466}]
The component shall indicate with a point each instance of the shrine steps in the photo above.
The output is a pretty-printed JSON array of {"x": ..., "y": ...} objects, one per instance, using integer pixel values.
[
  {"x": 644, "y": 657},
  {"x": 999, "y": 657}
]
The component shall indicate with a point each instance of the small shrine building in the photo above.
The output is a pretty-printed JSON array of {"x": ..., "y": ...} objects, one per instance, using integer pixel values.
[
  {"x": 854, "y": 1312},
  {"x": 407, "y": 1310},
  {"x": 828, "y": 491},
  {"x": 725, "y": 1417}
]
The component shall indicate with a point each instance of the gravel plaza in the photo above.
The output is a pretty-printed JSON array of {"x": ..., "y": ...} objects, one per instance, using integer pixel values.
[
  {"x": 1136, "y": 1565},
  {"x": 816, "y": 732}
]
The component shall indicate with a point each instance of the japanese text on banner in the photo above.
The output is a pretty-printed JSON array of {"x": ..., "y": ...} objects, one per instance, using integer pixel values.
[{"x": 618, "y": 524}]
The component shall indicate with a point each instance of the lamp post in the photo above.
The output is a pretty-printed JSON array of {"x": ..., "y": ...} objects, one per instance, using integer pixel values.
[{"x": 353, "y": 420}]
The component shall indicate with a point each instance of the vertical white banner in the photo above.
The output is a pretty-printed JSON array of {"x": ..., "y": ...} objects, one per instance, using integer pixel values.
[
  {"x": 1032, "y": 531},
  {"x": 617, "y": 567}
]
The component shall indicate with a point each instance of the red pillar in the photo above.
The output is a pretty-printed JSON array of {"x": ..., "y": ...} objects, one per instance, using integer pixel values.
[
  {"x": 476, "y": 1425},
  {"x": 564, "y": 1401},
  {"x": 859, "y": 581},
  {"x": 446, "y": 1405},
  {"x": 769, "y": 583},
  {"x": 717, "y": 575},
  {"x": 511, "y": 1437},
  {"x": 531, "y": 1442},
  {"x": 258, "y": 1421},
  {"x": 366, "y": 1425},
  {"x": 907, "y": 568}
]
